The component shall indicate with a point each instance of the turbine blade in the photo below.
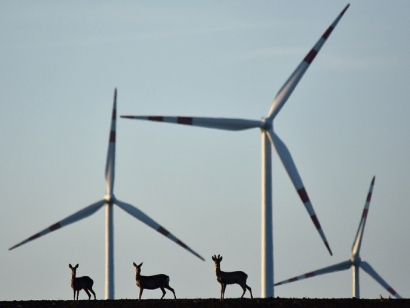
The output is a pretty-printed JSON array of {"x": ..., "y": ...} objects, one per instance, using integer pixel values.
[
  {"x": 359, "y": 235},
  {"x": 85, "y": 212},
  {"x": 368, "y": 269},
  {"x": 294, "y": 79},
  {"x": 330, "y": 269},
  {"x": 293, "y": 173},
  {"x": 133, "y": 211},
  {"x": 110, "y": 165},
  {"x": 216, "y": 123}
]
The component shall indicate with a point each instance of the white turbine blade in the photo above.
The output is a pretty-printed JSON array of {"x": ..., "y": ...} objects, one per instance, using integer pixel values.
[
  {"x": 330, "y": 269},
  {"x": 216, "y": 123},
  {"x": 110, "y": 165},
  {"x": 359, "y": 235},
  {"x": 133, "y": 211},
  {"x": 368, "y": 269},
  {"x": 293, "y": 173},
  {"x": 294, "y": 79},
  {"x": 85, "y": 212}
]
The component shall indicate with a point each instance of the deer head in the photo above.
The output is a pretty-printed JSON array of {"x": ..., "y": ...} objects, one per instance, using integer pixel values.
[
  {"x": 138, "y": 267},
  {"x": 217, "y": 260},
  {"x": 73, "y": 269}
]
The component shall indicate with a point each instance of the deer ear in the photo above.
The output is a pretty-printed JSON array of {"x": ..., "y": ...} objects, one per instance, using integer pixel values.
[
  {"x": 70, "y": 266},
  {"x": 134, "y": 264},
  {"x": 140, "y": 264},
  {"x": 220, "y": 259},
  {"x": 76, "y": 266}
]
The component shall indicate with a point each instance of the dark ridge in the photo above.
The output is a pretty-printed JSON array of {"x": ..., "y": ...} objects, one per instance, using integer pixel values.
[{"x": 210, "y": 303}]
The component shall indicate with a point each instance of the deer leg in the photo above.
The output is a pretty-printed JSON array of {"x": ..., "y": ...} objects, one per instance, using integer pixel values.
[
  {"x": 141, "y": 289},
  {"x": 88, "y": 293},
  {"x": 172, "y": 290},
  {"x": 163, "y": 292},
  {"x": 250, "y": 290},
  {"x": 244, "y": 290},
  {"x": 73, "y": 294},
  {"x": 91, "y": 290},
  {"x": 223, "y": 291}
]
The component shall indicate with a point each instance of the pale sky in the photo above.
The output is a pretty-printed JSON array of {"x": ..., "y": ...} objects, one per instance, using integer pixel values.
[{"x": 347, "y": 120}]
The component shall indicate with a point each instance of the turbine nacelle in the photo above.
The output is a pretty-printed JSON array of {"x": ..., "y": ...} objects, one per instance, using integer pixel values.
[
  {"x": 109, "y": 199},
  {"x": 356, "y": 260},
  {"x": 266, "y": 124}
]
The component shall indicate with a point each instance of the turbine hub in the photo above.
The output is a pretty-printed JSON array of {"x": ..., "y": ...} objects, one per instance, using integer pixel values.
[
  {"x": 110, "y": 199},
  {"x": 267, "y": 124},
  {"x": 356, "y": 260}
]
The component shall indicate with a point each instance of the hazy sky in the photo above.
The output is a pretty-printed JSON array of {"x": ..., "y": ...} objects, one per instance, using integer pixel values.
[{"x": 347, "y": 121}]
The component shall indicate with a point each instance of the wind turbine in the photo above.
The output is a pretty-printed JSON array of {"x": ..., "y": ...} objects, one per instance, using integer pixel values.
[
  {"x": 108, "y": 201},
  {"x": 355, "y": 261},
  {"x": 268, "y": 135}
]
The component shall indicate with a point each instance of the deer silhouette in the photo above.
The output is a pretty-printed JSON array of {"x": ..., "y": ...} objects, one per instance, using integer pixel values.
[
  {"x": 225, "y": 278},
  {"x": 79, "y": 283},
  {"x": 160, "y": 281}
]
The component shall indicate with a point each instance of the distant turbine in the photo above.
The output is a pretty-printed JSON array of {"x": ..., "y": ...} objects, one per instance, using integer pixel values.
[
  {"x": 108, "y": 201},
  {"x": 266, "y": 126},
  {"x": 355, "y": 261}
]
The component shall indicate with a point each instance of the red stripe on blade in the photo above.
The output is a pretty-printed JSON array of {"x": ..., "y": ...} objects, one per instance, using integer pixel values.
[
  {"x": 303, "y": 195},
  {"x": 114, "y": 114},
  {"x": 327, "y": 33},
  {"x": 316, "y": 222},
  {"x": 310, "y": 56},
  {"x": 365, "y": 211},
  {"x": 328, "y": 248},
  {"x": 155, "y": 118},
  {"x": 163, "y": 231},
  {"x": 347, "y": 6},
  {"x": 293, "y": 279},
  {"x": 184, "y": 120},
  {"x": 181, "y": 244},
  {"x": 390, "y": 289},
  {"x": 112, "y": 136},
  {"x": 311, "y": 274},
  {"x": 55, "y": 227},
  {"x": 369, "y": 197},
  {"x": 33, "y": 237}
]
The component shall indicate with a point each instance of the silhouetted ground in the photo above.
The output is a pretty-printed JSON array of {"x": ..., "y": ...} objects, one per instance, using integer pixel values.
[{"x": 208, "y": 303}]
